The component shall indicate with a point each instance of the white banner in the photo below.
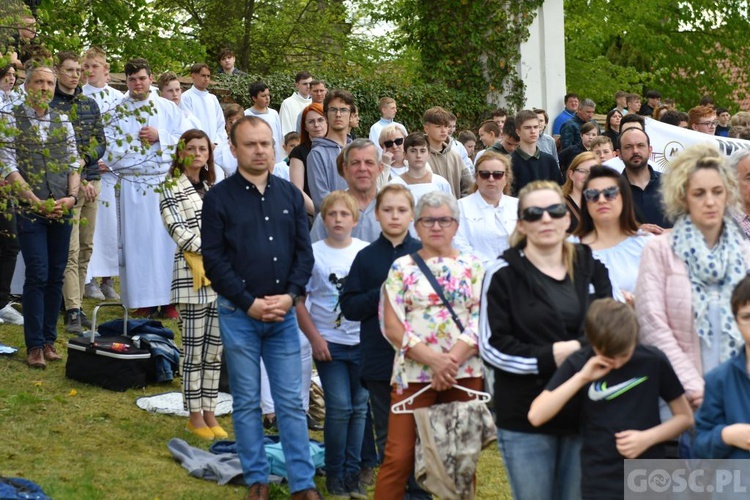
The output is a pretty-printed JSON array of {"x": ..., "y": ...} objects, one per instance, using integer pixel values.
[{"x": 668, "y": 141}]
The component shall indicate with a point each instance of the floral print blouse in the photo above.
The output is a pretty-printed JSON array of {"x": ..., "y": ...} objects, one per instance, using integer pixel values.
[{"x": 424, "y": 316}]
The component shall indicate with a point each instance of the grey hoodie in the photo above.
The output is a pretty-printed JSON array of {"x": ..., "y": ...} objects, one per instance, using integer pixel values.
[{"x": 322, "y": 175}]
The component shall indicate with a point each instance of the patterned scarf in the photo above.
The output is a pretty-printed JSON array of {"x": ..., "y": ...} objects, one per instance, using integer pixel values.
[{"x": 722, "y": 265}]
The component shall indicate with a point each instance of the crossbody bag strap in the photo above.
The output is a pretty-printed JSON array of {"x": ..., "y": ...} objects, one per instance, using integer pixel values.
[{"x": 436, "y": 286}]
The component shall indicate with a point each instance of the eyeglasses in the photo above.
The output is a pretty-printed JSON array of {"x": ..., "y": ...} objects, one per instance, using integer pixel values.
[
  {"x": 486, "y": 174},
  {"x": 609, "y": 193},
  {"x": 582, "y": 171},
  {"x": 533, "y": 214},
  {"x": 430, "y": 221},
  {"x": 712, "y": 124},
  {"x": 343, "y": 111},
  {"x": 397, "y": 142}
]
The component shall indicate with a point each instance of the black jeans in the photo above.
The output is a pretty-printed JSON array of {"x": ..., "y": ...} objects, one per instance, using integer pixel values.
[{"x": 9, "y": 249}]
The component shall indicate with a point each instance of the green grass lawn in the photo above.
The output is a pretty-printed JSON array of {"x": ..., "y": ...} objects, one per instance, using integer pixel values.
[{"x": 82, "y": 442}]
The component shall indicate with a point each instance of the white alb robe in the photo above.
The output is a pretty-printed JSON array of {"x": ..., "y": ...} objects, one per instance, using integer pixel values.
[
  {"x": 146, "y": 249},
  {"x": 271, "y": 117},
  {"x": 205, "y": 106},
  {"x": 104, "y": 262},
  {"x": 290, "y": 110}
]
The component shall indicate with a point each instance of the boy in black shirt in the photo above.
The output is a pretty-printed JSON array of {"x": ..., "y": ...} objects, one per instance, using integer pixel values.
[{"x": 617, "y": 383}]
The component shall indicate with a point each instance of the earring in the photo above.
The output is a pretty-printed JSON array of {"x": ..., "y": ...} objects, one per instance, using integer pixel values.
[{"x": 206, "y": 167}]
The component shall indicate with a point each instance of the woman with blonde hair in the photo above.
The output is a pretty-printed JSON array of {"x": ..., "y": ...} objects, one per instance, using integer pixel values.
[
  {"x": 573, "y": 187},
  {"x": 489, "y": 214},
  {"x": 535, "y": 301},
  {"x": 687, "y": 276}
]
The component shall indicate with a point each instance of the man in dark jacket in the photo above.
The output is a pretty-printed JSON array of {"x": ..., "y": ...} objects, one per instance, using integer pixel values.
[
  {"x": 570, "y": 132},
  {"x": 85, "y": 116}
]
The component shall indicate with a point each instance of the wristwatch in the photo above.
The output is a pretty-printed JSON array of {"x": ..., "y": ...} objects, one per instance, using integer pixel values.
[
  {"x": 295, "y": 298},
  {"x": 74, "y": 197}
]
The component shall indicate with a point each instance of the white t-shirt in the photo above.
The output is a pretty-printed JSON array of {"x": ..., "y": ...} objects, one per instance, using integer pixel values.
[{"x": 324, "y": 290}]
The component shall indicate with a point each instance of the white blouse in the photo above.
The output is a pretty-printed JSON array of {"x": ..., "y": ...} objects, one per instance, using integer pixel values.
[{"x": 483, "y": 229}]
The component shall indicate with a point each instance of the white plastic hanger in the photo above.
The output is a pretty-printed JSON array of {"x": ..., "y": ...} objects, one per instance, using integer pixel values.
[{"x": 401, "y": 407}]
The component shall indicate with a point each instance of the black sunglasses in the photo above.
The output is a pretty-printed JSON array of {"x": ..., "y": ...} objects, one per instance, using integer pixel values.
[
  {"x": 486, "y": 174},
  {"x": 533, "y": 214},
  {"x": 397, "y": 142},
  {"x": 609, "y": 193}
]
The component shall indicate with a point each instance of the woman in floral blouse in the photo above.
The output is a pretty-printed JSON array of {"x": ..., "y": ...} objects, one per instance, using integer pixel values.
[{"x": 431, "y": 349}]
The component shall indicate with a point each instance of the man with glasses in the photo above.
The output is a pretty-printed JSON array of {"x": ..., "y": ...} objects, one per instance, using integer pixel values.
[
  {"x": 645, "y": 183},
  {"x": 295, "y": 103},
  {"x": 703, "y": 119},
  {"x": 321, "y": 162},
  {"x": 529, "y": 162},
  {"x": 87, "y": 123}
]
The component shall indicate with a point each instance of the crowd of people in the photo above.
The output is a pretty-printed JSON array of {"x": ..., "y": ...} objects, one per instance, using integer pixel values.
[{"x": 412, "y": 267}]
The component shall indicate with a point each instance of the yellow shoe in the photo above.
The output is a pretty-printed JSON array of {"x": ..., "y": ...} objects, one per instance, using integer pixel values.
[
  {"x": 219, "y": 433},
  {"x": 201, "y": 432}
]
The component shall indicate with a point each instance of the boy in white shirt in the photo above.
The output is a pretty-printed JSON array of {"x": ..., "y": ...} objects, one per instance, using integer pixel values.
[{"x": 335, "y": 344}]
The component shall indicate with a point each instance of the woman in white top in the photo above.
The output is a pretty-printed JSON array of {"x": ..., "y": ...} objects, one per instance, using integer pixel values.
[
  {"x": 609, "y": 227},
  {"x": 418, "y": 178},
  {"x": 489, "y": 214}
]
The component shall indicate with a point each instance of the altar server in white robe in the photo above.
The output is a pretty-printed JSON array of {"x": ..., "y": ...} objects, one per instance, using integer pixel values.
[
  {"x": 103, "y": 263},
  {"x": 149, "y": 128},
  {"x": 204, "y": 105}
]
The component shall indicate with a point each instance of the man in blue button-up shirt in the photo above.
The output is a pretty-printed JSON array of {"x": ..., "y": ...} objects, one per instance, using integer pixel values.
[{"x": 258, "y": 256}]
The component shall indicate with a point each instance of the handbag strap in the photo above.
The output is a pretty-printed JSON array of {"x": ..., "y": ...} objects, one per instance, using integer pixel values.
[{"x": 436, "y": 286}]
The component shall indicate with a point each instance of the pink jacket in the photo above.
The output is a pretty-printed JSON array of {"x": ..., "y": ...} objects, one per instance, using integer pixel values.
[{"x": 664, "y": 308}]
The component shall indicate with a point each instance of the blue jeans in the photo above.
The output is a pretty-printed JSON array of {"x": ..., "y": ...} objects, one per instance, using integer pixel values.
[
  {"x": 541, "y": 465},
  {"x": 346, "y": 410},
  {"x": 245, "y": 340},
  {"x": 44, "y": 245}
]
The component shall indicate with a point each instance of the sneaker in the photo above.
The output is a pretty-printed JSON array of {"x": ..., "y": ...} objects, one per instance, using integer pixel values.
[
  {"x": 85, "y": 321},
  {"x": 108, "y": 290},
  {"x": 336, "y": 489},
  {"x": 313, "y": 424},
  {"x": 354, "y": 487},
  {"x": 73, "y": 322},
  {"x": 9, "y": 315},
  {"x": 367, "y": 476},
  {"x": 92, "y": 291}
]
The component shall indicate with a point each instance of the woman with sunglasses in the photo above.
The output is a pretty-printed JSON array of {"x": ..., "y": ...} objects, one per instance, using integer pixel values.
[
  {"x": 573, "y": 187},
  {"x": 535, "y": 300},
  {"x": 489, "y": 214},
  {"x": 609, "y": 228},
  {"x": 392, "y": 143},
  {"x": 687, "y": 275},
  {"x": 431, "y": 349}
]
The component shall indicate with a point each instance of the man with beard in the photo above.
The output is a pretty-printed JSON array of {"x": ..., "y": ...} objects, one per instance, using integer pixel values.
[{"x": 645, "y": 183}]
